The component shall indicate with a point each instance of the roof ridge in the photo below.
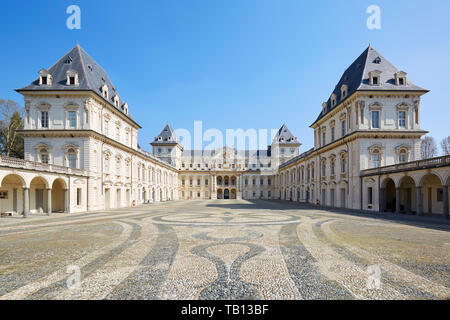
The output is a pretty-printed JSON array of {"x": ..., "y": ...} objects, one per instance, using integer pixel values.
[
  {"x": 82, "y": 66},
  {"x": 365, "y": 66}
]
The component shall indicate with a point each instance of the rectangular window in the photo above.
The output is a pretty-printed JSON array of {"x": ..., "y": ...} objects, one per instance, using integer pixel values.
[
  {"x": 376, "y": 161},
  {"x": 78, "y": 196},
  {"x": 402, "y": 158},
  {"x": 72, "y": 80},
  {"x": 72, "y": 115},
  {"x": 206, "y": 181},
  {"x": 44, "y": 119},
  {"x": 323, "y": 138},
  {"x": 370, "y": 196},
  {"x": 44, "y": 158},
  {"x": 117, "y": 134},
  {"x": 343, "y": 164},
  {"x": 106, "y": 128},
  {"x": 343, "y": 127},
  {"x": 402, "y": 119},
  {"x": 72, "y": 160},
  {"x": 375, "y": 119},
  {"x": 332, "y": 134}
]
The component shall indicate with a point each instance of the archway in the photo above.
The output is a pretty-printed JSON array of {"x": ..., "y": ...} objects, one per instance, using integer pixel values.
[
  {"x": 432, "y": 194},
  {"x": 58, "y": 195},
  {"x": 233, "y": 194},
  {"x": 12, "y": 194},
  {"x": 219, "y": 194},
  {"x": 389, "y": 195},
  {"x": 38, "y": 195},
  {"x": 219, "y": 180},
  {"x": 226, "y": 194},
  {"x": 408, "y": 203}
]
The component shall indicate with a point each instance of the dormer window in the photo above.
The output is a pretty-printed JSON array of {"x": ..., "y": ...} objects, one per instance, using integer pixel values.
[
  {"x": 344, "y": 90},
  {"x": 72, "y": 78},
  {"x": 400, "y": 78},
  {"x": 375, "y": 78},
  {"x": 45, "y": 78},
  {"x": 125, "y": 108},
  {"x": 333, "y": 100},
  {"x": 116, "y": 101},
  {"x": 105, "y": 91},
  {"x": 324, "y": 107}
]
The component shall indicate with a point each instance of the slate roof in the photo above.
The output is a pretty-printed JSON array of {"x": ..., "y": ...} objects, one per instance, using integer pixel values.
[
  {"x": 91, "y": 77},
  {"x": 356, "y": 77},
  {"x": 213, "y": 153},
  {"x": 167, "y": 135},
  {"x": 285, "y": 136}
]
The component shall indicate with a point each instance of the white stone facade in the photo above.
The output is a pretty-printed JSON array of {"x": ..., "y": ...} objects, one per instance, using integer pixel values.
[{"x": 81, "y": 151}]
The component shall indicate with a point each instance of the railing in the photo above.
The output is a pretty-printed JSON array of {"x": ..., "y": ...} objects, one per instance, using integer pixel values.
[
  {"x": 39, "y": 166},
  {"x": 409, "y": 166}
]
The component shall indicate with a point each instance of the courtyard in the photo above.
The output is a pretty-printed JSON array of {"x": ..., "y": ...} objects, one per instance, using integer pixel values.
[{"x": 224, "y": 249}]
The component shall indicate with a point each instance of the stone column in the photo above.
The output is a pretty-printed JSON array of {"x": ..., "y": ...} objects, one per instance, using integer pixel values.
[
  {"x": 49, "y": 201},
  {"x": 445, "y": 199},
  {"x": 381, "y": 196},
  {"x": 419, "y": 200},
  {"x": 66, "y": 201},
  {"x": 26, "y": 200},
  {"x": 397, "y": 200}
]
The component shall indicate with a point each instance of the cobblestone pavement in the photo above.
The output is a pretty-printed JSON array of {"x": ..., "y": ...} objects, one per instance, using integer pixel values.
[{"x": 224, "y": 249}]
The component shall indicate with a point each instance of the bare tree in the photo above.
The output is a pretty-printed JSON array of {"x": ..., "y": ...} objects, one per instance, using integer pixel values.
[
  {"x": 445, "y": 146},
  {"x": 428, "y": 148},
  {"x": 11, "y": 114}
]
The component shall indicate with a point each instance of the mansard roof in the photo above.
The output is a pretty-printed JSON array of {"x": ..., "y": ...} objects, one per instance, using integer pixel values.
[
  {"x": 167, "y": 135},
  {"x": 91, "y": 77},
  {"x": 213, "y": 153},
  {"x": 285, "y": 136},
  {"x": 357, "y": 78}
]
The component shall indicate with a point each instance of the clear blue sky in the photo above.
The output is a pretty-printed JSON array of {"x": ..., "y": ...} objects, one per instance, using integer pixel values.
[{"x": 234, "y": 63}]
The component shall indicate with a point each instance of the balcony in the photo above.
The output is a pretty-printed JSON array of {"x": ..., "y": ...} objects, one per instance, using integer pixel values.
[
  {"x": 409, "y": 166},
  {"x": 38, "y": 166}
]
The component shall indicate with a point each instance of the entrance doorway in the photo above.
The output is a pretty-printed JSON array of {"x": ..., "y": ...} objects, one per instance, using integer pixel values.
[{"x": 226, "y": 194}]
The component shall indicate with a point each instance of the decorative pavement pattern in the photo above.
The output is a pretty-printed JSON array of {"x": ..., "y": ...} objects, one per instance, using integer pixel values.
[{"x": 224, "y": 249}]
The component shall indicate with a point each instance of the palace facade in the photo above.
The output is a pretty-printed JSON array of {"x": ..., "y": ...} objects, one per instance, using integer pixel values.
[{"x": 82, "y": 154}]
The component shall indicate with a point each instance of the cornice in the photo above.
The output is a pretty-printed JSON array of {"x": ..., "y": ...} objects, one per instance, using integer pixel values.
[{"x": 94, "y": 134}]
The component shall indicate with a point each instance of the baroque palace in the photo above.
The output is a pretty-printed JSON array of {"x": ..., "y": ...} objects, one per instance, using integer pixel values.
[{"x": 82, "y": 154}]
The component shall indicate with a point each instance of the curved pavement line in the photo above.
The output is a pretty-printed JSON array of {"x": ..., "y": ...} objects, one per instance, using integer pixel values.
[
  {"x": 25, "y": 229},
  {"x": 147, "y": 279},
  {"x": 60, "y": 274},
  {"x": 337, "y": 267},
  {"x": 395, "y": 270},
  {"x": 103, "y": 280},
  {"x": 49, "y": 292},
  {"x": 303, "y": 269},
  {"x": 409, "y": 290}
]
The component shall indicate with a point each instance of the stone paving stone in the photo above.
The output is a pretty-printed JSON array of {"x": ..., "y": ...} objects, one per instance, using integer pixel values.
[{"x": 224, "y": 249}]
